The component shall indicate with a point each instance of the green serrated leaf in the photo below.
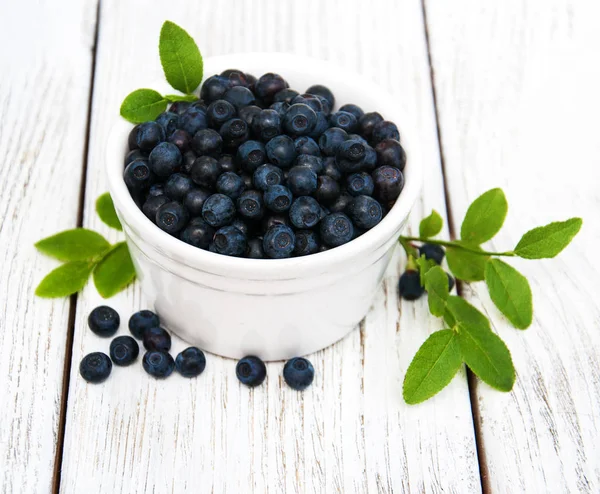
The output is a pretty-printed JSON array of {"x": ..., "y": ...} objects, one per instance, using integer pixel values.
[
  {"x": 142, "y": 105},
  {"x": 424, "y": 265},
  {"x": 436, "y": 284},
  {"x": 74, "y": 245},
  {"x": 432, "y": 225},
  {"x": 484, "y": 217},
  {"x": 548, "y": 241},
  {"x": 458, "y": 310},
  {"x": 510, "y": 292},
  {"x": 172, "y": 98},
  {"x": 106, "y": 211},
  {"x": 433, "y": 367},
  {"x": 487, "y": 356},
  {"x": 115, "y": 271},
  {"x": 465, "y": 265},
  {"x": 65, "y": 280},
  {"x": 180, "y": 58}
]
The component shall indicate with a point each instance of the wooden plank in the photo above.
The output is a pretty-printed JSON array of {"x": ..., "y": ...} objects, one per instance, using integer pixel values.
[
  {"x": 519, "y": 101},
  {"x": 351, "y": 432},
  {"x": 44, "y": 107}
]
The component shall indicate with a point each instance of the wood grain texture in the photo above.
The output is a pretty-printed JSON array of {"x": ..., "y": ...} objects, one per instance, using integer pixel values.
[
  {"x": 351, "y": 431},
  {"x": 518, "y": 100},
  {"x": 43, "y": 108}
]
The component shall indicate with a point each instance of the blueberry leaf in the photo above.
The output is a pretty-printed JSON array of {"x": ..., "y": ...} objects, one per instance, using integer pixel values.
[
  {"x": 115, "y": 271},
  {"x": 424, "y": 265},
  {"x": 172, "y": 98},
  {"x": 180, "y": 58},
  {"x": 433, "y": 367},
  {"x": 65, "y": 280},
  {"x": 548, "y": 241},
  {"x": 510, "y": 292},
  {"x": 74, "y": 245},
  {"x": 459, "y": 311},
  {"x": 436, "y": 284},
  {"x": 484, "y": 217},
  {"x": 142, "y": 105},
  {"x": 466, "y": 265},
  {"x": 432, "y": 225},
  {"x": 106, "y": 211}
]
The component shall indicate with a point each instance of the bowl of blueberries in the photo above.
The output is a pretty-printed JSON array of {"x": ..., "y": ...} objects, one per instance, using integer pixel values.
[{"x": 262, "y": 217}]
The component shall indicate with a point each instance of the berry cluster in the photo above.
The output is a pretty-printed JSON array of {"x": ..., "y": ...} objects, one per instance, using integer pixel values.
[
  {"x": 255, "y": 169},
  {"x": 409, "y": 286}
]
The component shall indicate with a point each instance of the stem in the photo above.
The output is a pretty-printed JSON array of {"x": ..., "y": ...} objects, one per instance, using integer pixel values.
[
  {"x": 456, "y": 245},
  {"x": 409, "y": 249}
]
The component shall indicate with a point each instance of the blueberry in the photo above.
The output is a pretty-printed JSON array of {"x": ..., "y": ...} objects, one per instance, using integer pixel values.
[
  {"x": 141, "y": 321},
  {"x": 251, "y": 371},
  {"x": 322, "y": 91},
  {"x": 358, "y": 137},
  {"x": 138, "y": 176},
  {"x": 191, "y": 362},
  {"x": 157, "y": 338},
  {"x": 214, "y": 88},
  {"x": 158, "y": 364},
  {"x": 178, "y": 185},
  {"x": 250, "y": 205},
  {"x": 280, "y": 107},
  {"x": 250, "y": 81},
  {"x": 410, "y": 285},
  {"x": 385, "y": 130},
  {"x": 124, "y": 350},
  {"x": 286, "y": 95},
  {"x": 250, "y": 155},
  {"x": 255, "y": 249},
  {"x": 234, "y": 132},
  {"x": 189, "y": 157},
  {"x": 336, "y": 229},
  {"x": 239, "y": 97},
  {"x": 156, "y": 190},
  {"x": 451, "y": 282},
  {"x": 359, "y": 184},
  {"x": 310, "y": 100},
  {"x": 243, "y": 226},
  {"x": 165, "y": 159},
  {"x": 235, "y": 78},
  {"x": 314, "y": 163},
  {"x": 365, "y": 212},
  {"x": 198, "y": 233},
  {"x": 218, "y": 210},
  {"x": 369, "y": 162},
  {"x": 281, "y": 151},
  {"x": 331, "y": 169},
  {"x": 266, "y": 125},
  {"x": 274, "y": 220},
  {"x": 306, "y": 145},
  {"x": 193, "y": 120},
  {"x": 302, "y": 181},
  {"x": 104, "y": 321},
  {"x": 305, "y": 212},
  {"x": 357, "y": 111},
  {"x": 330, "y": 140},
  {"x": 247, "y": 178},
  {"x": 194, "y": 200},
  {"x": 230, "y": 241},
  {"x": 95, "y": 367},
  {"x": 219, "y": 112},
  {"x": 136, "y": 154},
  {"x": 206, "y": 171},
  {"x": 227, "y": 163},
  {"x": 181, "y": 139},
  {"x": 169, "y": 121},
  {"x": 390, "y": 153},
  {"x": 278, "y": 198},
  {"x": 298, "y": 373},
  {"x": 328, "y": 190},
  {"x": 341, "y": 203},
  {"x": 249, "y": 113},
  {"x": 268, "y": 85},
  {"x": 433, "y": 252},
  {"x": 230, "y": 184},
  {"x": 267, "y": 175},
  {"x": 132, "y": 138},
  {"x": 389, "y": 182},
  {"x": 279, "y": 242},
  {"x": 172, "y": 217},
  {"x": 152, "y": 205},
  {"x": 351, "y": 150},
  {"x": 307, "y": 242},
  {"x": 179, "y": 107},
  {"x": 299, "y": 119},
  {"x": 149, "y": 135},
  {"x": 367, "y": 123},
  {"x": 207, "y": 142},
  {"x": 343, "y": 120}
]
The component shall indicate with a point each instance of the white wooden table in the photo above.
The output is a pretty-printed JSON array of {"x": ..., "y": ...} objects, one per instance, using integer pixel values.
[{"x": 499, "y": 94}]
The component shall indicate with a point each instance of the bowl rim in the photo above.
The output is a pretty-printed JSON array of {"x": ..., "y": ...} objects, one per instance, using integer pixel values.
[{"x": 193, "y": 257}]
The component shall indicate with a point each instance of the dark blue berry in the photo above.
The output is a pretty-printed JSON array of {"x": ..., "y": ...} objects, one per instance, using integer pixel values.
[
  {"x": 180, "y": 107},
  {"x": 104, "y": 321},
  {"x": 250, "y": 81},
  {"x": 298, "y": 373},
  {"x": 124, "y": 350},
  {"x": 276, "y": 219},
  {"x": 169, "y": 121},
  {"x": 367, "y": 123},
  {"x": 189, "y": 157},
  {"x": 249, "y": 113},
  {"x": 136, "y": 154},
  {"x": 198, "y": 233},
  {"x": 314, "y": 163},
  {"x": 385, "y": 130},
  {"x": 267, "y": 175},
  {"x": 321, "y": 126},
  {"x": 251, "y": 371},
  {"x": 281, "y": 151},
  {"x": 305, "y": 212},
  {"x": 306, "y": 145},
  {"x": 191, "y": 362},
  {"x": 307, "y": 242},
  {"x": 369, "y": 162},
  {"x": 328, "y": 190},
  {"x": 331, "y": 169},
  {"x": 341, "y": 203},
  {"x": 278, "y": 198},
  {"x": 433, "y": 252},
  {"x": 181, "y": 139},
  {"x": 193, "y": 120},
  {"x": 250, "y": 205},
  {"x": 299, "y": 119},
  {"x": 279, "y": 241},
  {"x": 178, "y": 185},
  {"x": 250, "y": 155},
  {"x": 255, "y": 249},
  {"x": 268, "y": 85},
  {"x": 235, "y": 78},
  {"x": 149, "y": 135},
  {"x": 390, "y": 153},
  {"x": 156, "y": 190},
  {"x": 132, "y": 138},
  {"x": 194, "y": 200},
  {"x": 280, "y": 107},
  {"x": 286, "y": 95},
  {"x": 322, "y": 91},
  {"x": 350, "y": 150},
  {"x": 138, "y": 176},
  {"x": 165, "y": 159},
  {"x": 310, "y": 100},
  {"x": 359, "y": 184},
  {"x": 234, "y": 132},
  {"x": 157, "y": 338},
  {"x": 207, "y": 142},
  {"x": 95, "y": 367},
  {"x": 141, "y": 321},
  {"x": 230, "y": 241},
  {"x": 389, "y": 182},
  {"x": 336, "y": 229},
  {"x": 243, "y": 226},
  {"x": 357, "y": 111},
  {"x": 227, "y": 163},
  {"x": 218, "y": 210},
  {"x": 172, "y": 217},
  {"x": 365, "y": 212},
  {"x": 214, "y": 88},
  {"x": 343, "y": 120},
  {"x": 230, "y": 184},
  {"x": 239, "y": 97},
  {"x": 247, "y": 178},
  {"x": 266, "y": 125},
  {"x": 219, "y": 112},
  {"x": 302, "y": 181},
  {"x": 450, "y": 282},
  {"x": 158, "y": 364},
  {"x": 409, "y": 285},
  {"x": 152, "y": 205},
  {"x": 330, "y": 140},
  {"x": 206, "y": 171}
]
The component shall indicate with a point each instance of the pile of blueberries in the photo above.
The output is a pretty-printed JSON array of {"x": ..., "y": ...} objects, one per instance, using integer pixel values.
[
  {"x": 255, "y": 169},
  {"x": 144, "y": 325},
  {"x": 409, "y": 285}
]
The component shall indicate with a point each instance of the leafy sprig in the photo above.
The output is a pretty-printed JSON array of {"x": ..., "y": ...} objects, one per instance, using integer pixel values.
[{"x": 468, "y": 337}]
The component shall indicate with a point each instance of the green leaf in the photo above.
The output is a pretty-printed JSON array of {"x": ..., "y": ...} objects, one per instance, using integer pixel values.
[
  {"x": 510, "y": 292},
  {"x": 65, "y": 280},
  {"x": 432, "y": 225},
  {"x": 458, "y": 310},
  {"x": 142, "y": 105},
  {"x": 114, "y": 272},
  {"x": 487, "y": 356},
  {"x": 172, "y": 98},
  {"x": 424, "y": 265},
  {"x": 466, "y": 265},
  {"x": 484, "y": 217},
  {"x": 433, "y": 367},
  {"x": 180, "y": 58},
  {"x": 106, "y": 211},
  {"x": 74, "y": 245},
  {"x": 436, "y": 284},
  {"x": 548, "y": 241}
]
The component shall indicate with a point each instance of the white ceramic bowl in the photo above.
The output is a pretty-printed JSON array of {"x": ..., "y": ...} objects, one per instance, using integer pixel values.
[{"x": 275, "y": 309}]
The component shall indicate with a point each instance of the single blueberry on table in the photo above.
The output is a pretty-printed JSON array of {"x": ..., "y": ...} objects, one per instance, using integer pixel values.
[
  {"x": 367, "y": 123},
  {"x": 344, "y": 120},
  {"x": 230, "y": 241},
  {"x": 214, "y": 88},
  {"x": 230, "y": 184},
  {"x": 165, "y": 159},
  {"x": 218, "y": 210},
  {"x": 251, "y": 371},
  {"x": 359, "y": 184},
  {"x": 152, "y": 205},
  {"x": 255, "y": 249},
  {"x": 207, "y": 142},
  {"x": 281, "y": 151},
  {"x": 268, "y": 85},
  {"x": 250, "y": 155},
  {"x": 388, "y": 181},
  {"x": 124, "y": 350},
  {"x": 298, "y": 373},
  {"x": 194, "y": 200},
  {"x": 266, "y": 125},
  {"x": 169, "y": 121},
  {"x": 239, "y": 97},
  {"x": 250, "y": 205},
  {"x": 191, "y": 362},
  {"x": 307, "y": 242},
  {"x": 433, "y": 252},
  {"x": 149, "y": 135},
  {"x": 286, "y": 95},
  {"x": 138, "y": 176},
  {"x": 219, "y": 112},
  {"x": 311, "y": 100},
  {"x": 172, "y": 217},
  {"x": 278, "y": 198},
  {"x": 324, "y": 92},
  {"x": 299, "y": 119},
  {"x": 193, "y": 120},
  {"x": 135, "y": 154},
  {"x": 95, "y": 367},
  {"x": 385, "y": 130},
  {"x": 266, "y": 176},
  {"x": 157, "y": 338},
  {"x": 305, "y": 212},
  {"x": 279, "y": 242},
  {"x": 409, "y": 285},
  {"x": 179, "y": 107},
  {"x": 302, "y": 181},
  {"x": 365, "y": 212},
  {"x": 181, "y": 139},
  {"x": 104, "y": 321},
  {"x": 390, "y": 153},
  {"x": 178, "y": 185},
  {"x": 158, "y": 364},
  {"x": 234, "y": 132},
  {"x": 198, "y": 233},
  {"x": 356, "y": 110},
  {"x": 141, "y": 321},
  {"x": 206, "y": 171},
  {"x": 249, "y": 113},
  {"x": 328, "y": 190},
  {"x": 336, "y": 229}
]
